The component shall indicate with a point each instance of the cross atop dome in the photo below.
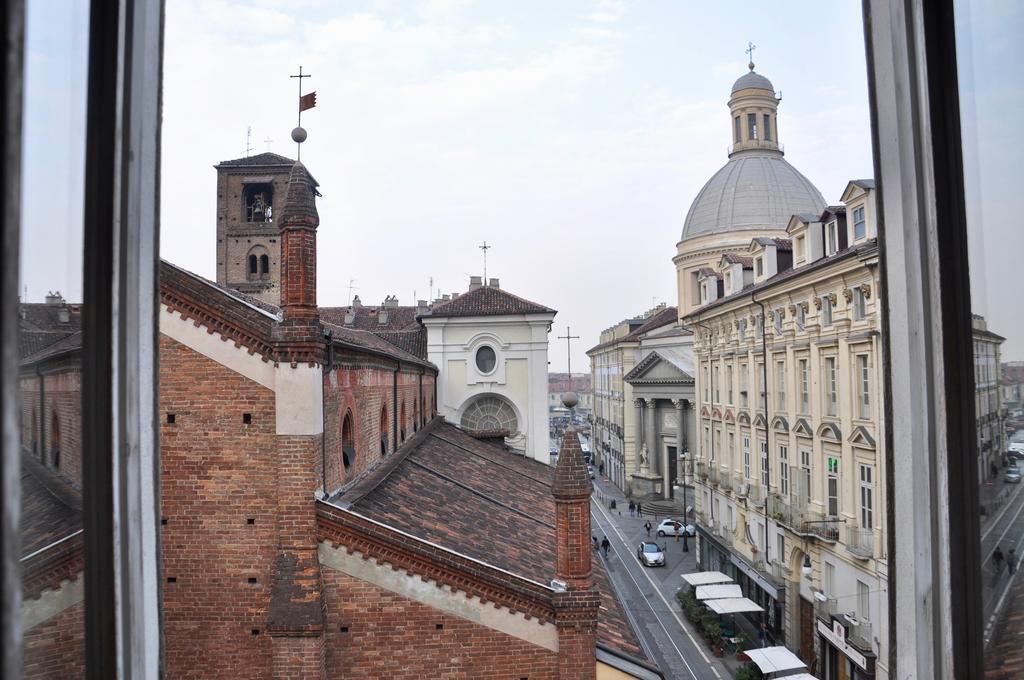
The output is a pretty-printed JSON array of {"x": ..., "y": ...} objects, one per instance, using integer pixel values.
[{"x": 750, "y": 54}]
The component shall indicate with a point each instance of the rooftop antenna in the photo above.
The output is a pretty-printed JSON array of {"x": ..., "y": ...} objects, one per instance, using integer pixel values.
[
  {"x": 569, "y": 337},
  {"x": 750, "y": 54},
  {"x": 305, "y": 102},
  {"x": 485, "y": 248},
  {"x": 430, "y": 298},
  {"x": 350, "y": 289},
  {"x": 248, "y": 141},
  {"x": 268, "y": 141}
]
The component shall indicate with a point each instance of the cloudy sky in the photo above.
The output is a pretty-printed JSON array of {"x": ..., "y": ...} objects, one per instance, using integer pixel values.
[{"x": 571, "y": 136}]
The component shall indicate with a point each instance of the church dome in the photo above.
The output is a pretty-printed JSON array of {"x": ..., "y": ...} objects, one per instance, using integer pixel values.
[
  {"x": 755, "y": 190},
  {"x": 752, "y": 80}
]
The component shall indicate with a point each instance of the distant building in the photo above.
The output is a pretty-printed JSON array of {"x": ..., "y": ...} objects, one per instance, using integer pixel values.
[
  {"x": 580, "y": 383},
  {"x": 988, "y": 400}
]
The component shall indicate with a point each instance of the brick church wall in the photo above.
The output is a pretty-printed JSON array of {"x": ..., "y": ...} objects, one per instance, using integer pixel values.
[
  {"x": 391, "y": 636},
  {"x": 55, "y": 648},
  {"x": 218, "y": 475},
  {"x": 57, "y": 421}
]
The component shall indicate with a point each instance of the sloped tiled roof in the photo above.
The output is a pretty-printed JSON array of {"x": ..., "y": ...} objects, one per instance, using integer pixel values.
[
  {"x": 488, "y": 301},
  {"x": 40, "y": 325},
  {"x": 662, "y": 318},
  {"x": 372, "y": 342},
  {"x": 477, "y": 499},
  {"x": 50, "y": 509},
  {"x": 367, "y": 318},
  {"x": 266, "y": 158},
  {"x": 68, "y": 343},
  {"x": 733, "y": 258},
  {"x": 412, "y": 341}
]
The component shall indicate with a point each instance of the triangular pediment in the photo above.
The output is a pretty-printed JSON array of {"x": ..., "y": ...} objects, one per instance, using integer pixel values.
[
  {"x": 780, "y": 424},
  {"x": 801, "y": 428},
  {"x": 759, "y": 421},
  {"x": 743, "y": 418},
  {"x": 654, "y": 368},
  {"x": 862, "y": 438},
  {"x": 729, "y": 417}
]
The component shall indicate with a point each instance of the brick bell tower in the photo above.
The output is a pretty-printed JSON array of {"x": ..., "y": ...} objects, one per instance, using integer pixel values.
[{"x": 576, "y": 607}]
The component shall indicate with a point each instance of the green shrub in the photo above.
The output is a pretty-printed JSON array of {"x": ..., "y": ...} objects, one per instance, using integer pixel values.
[{"x": 749, "y": 672}]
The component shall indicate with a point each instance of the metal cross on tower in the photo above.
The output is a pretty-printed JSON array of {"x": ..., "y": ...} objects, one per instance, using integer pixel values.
[
  {"x": 569, "y": 337},
  {"x": 485, "y": 248},
  {"x": 750, "y": 54},
  {"x": 307, "y": 102}
]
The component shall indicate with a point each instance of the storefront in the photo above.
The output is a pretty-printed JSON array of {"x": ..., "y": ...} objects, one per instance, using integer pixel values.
[
  {"x": 714, "y": 556},
  {"x": 841, "y": 660}
]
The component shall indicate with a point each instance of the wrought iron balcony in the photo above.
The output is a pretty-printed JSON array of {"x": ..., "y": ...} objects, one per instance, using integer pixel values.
[
  {"x": 825, "y": 529},
  {"x": 860, "y": 542},
  {"x": 860, "y": 636},
  {"x": 824, "y": 609}
]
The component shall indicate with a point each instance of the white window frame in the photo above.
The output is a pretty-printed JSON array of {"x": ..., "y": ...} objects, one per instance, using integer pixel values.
[
  {"x": 867, "y": 496},
  {"x": 862, "y": 223},
  {"x": 805, "y": 385},
  {"x": 765, "y": 471},
  {"x": 746, "y": 457},
  {"x": 863, "y": 382},
  {"x": 784, "y": 469},
  {"x": 832, "y": 238}
]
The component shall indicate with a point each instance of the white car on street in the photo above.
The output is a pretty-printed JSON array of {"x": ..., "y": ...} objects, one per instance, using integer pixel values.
[{"x": 671, "y": 527}]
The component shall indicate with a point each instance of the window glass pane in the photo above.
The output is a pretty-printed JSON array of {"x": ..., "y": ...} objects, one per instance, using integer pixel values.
[
  {"x": 991, "y": 93},
  {"x": 50, "y": 324}
]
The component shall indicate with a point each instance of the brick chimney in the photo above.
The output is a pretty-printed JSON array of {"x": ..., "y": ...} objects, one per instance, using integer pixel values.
[
  {"x": 576, "y": 607},
  {"x": 298, "y": 336}
]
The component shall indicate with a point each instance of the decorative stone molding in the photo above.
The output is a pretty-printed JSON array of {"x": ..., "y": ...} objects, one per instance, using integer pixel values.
[
  {"x": 833, "y": 299},
  {"x": 865, "y": 290},
  {"x": 848, "y": 294},
  {"x": 817, "y": 302}
]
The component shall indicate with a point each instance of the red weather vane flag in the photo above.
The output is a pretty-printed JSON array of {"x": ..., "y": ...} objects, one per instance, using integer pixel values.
[{"x": 306, "y": 102}]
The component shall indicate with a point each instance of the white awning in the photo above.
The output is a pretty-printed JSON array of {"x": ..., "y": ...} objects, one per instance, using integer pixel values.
[
  {"x": 719, "y": 591},
  {"x": 703, "y": 578},
  {"x": 733, "y": 605},
  {"x": 775, "y": 659},
  {"x": 799, "y": 676}
]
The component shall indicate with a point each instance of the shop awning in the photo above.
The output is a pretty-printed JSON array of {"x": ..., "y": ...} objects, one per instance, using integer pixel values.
[
  {"x": 775, "y": 659},
  {"x": 733, "y": 605},
  {"x": 799, "y": 676},
  {"x": 719, "y": 591},
  {"x": 703, "y": 578}
]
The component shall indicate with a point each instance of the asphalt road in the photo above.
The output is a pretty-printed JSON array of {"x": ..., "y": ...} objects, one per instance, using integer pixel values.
[
  {"x": 1006, "y": 530},
  {"x": 649, "y": 597}
]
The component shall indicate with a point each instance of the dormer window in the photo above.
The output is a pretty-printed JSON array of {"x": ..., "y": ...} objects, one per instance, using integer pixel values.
[
  {"x": 703, "y": 292},
  {"x": 728, "y": 282},
  {"x": 860, "y": 227},
  {"x": 258, "y": 202},
  {"x": 831, "y": 238},
  {"x": 759, "y": 266},
  {"x": 798, "y": 247}
]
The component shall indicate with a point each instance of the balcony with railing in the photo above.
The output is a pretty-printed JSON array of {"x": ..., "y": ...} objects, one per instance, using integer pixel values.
[
  {"x": 713, "y": 474},
  {"x": 725, "y": 480},
  {"x": 755, "y": 494},
  {"x": 742, "y": 489},
  {"x": 860, "y": 635},
  {"x": 701, "y": 468},
  {"x": 860, "y": 542},
  {"x": 725, "y": 533},
  {"x": 779, "y": 572},
  {"x": 818, "y": 526},
  {"x": 824, "y": 609}
]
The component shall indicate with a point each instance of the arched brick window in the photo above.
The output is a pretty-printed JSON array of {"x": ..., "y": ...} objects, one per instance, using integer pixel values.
[
  {"x": 55, "y": 440},
  {"x": 259, "y": 264},
  {"x": 384, "y": 431},
  {"x": 348, "y": 442},
  {"x": 401, "y": 424}
]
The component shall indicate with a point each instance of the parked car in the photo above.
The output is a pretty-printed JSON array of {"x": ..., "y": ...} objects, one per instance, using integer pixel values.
[
  {"x": 651, "y": 554},
  {"x": 1015, "y": 454},
  {"x": 671, "y": 527},
  {"x": 1012, "y": 475}
]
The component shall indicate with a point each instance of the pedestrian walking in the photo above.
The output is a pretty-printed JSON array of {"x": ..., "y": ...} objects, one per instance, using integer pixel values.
[
  {"x": 997, "y": 559},
  {"x": 632, "y": 508},
  {"x": 594, "y": 539},
  {"x": 639, "y": 510},
  {"x": 605, "y": 544},
  {"x": 600, "y": 469},
  {"x": 686, "y": 546},
  {"x": 679, "y": 529},
  {"x": 647, "y": 526},
  {"x": 1011, "y": 561}
]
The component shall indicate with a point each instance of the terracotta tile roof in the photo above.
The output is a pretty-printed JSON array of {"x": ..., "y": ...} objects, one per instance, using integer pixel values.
[
  {"x": 40, "y": 325},
  {"x": 663, "y": 318},
  {"x": 266, "y": 158},
  {"x": 412, "y": 341},
  {"x": 488, "y": 301},
  {"x": 733, "y": 258},
  {"x": 359, "y": 339},
  {"x": 68, "y": 343},
  {"x": 367, "y": 318},
  {"x": 780, "y": 243},
  {"x": 50, "y": 508},
  {"x": 479, "y": 500}
]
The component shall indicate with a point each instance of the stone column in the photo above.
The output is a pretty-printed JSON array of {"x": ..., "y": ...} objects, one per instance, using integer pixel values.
[
  {"x": 638, "y": 403},
  {"x": 680, "y": 446},
  {"x": 651, "y": 435}
]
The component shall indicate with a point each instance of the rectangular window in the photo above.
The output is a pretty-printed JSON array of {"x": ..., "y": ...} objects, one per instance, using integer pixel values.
[
  {"x": 801, "y": 316},
  {"x": 832, "y": 486},
  {"x": 777, "y": 320},
  {"x": 758, "y": 266},
  {"x": 858, "y": 304},
  {"x": 716, "y": 384},
  {"x": 731, "y": 524},
  {"x": 728, "y": 379},
  {"x": 746, "y": 458},
  {"x": 804, "y": 387},
  {"x": 744, "y": 384},
  {"x": 784, "y": 470},
  {"x": 767, "y": 128},
  {"x": 860, "y": 227},
  {"x": 829, "y": 579},
  {"x": 863, "y": 387},
  {"x": 736, "y": 129},
  {"x": 761, "y": 395},
  {"x": 863, "y": 601},
  {"x": 867, "y": 498},
  {"x": 707, "y": 385},
  {"x": 831, "y": 387},
  {"x": 764, "y": 465},
  {"x": 780, "y": 385},
  {"x": 831, "y": 238},
  {"x": 732, "y": 449},
  {"x": 751, "y": 126},
  {"x": 804, "y": 492},
  {"x": 798, "y": 247},
  {"x": 826, "y": 311},
  {"x": 743, "y": 330}
]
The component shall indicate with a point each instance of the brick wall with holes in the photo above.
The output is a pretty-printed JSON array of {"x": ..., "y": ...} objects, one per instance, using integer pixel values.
[
  {"x": 51, "y": 425},
  {"x": 372, "y": 632},
  {"x": 219, "y": 516},
  {"x": 55, "y": 648}
]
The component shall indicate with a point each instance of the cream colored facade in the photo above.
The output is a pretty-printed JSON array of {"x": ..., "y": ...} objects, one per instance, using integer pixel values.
[
  {"x": 988, "y": 400},
  {"x": 791, "y": 458},
  {"x": 614, "y": 423}
]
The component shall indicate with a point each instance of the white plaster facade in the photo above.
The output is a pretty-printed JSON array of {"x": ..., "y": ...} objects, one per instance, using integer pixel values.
[{"x": 519, "y": 376}]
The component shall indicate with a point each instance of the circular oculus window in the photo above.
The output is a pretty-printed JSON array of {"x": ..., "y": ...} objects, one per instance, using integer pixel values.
[{"x": 485, "y": 359}]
